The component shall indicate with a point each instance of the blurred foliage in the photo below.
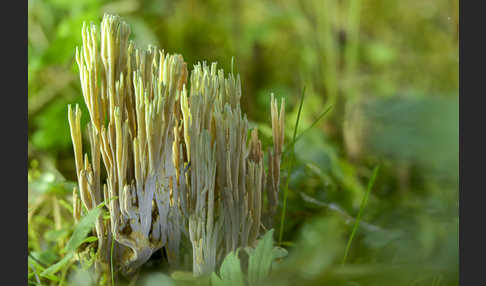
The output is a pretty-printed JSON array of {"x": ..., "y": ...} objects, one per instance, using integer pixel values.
[{"x": 390, "y": 70}]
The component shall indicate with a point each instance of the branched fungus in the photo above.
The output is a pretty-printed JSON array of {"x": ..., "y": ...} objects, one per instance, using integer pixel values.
[{"x": 177, "y": 165}]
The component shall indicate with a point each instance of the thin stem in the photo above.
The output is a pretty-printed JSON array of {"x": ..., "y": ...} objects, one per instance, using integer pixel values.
[{"x": 111, "y": 260}]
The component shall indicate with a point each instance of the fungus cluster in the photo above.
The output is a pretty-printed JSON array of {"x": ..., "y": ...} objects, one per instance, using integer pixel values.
[{"x": 170, "y": 154}]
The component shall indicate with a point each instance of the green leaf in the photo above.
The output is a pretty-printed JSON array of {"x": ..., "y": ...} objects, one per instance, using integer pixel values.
[
  {"x": 56, "y": 235},
  {"x": 261, "y": 259},
  {"x": 230, "y": 271},
  {"x": 216, "y": 281},
  {"x": 34, "y": 264},
  {"x": 46, "y": 257},
  {"x": 53, "y": 269},
  {"x": 50, "y": 277},
  {"x": 279, "y": 252},
  {"x": 82, "y": 229},
  {"x": 89, "y": 239}
]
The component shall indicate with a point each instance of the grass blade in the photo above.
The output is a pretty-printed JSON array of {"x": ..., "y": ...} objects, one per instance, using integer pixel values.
[
  {"x": 361, "y": 208},
  {"x": 298, "y": 115},
  {"x": 82, "y": 229},
  {"x": 289, "y": 169},
  {"x": 290, "y": 147}
]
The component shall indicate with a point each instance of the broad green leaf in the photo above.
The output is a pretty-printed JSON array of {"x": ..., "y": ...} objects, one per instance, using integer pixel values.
[
  {"x": 216, "y": 281},
  {"x": 261, "y": 260},
  {"x": 82, "y": 229},
  {"x": 279, "y": 252},
  {"x": 249, "y": 250},
  {"x": 230, "y": 271}
]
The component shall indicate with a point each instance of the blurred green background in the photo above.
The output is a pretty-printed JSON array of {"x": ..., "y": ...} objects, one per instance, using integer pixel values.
[{"x": 390, "y": 71}]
